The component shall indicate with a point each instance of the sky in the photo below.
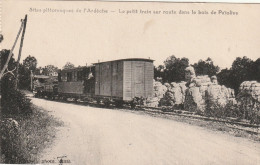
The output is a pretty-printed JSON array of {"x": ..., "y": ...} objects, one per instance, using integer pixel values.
[{"x": 85, "y": 38}]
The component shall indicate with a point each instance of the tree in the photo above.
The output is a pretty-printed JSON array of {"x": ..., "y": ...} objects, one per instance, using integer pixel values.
[
  {"x": 225, "y": 78},
  {"x": 24, "y": 77},
  {"x": 256, "y": 70},
  {"x": 206, "y": 67},
  {"x": 159, "y": 72},
  {"x": 38, "y": 71},
  {"x": 1, "y": 38},
  {"x": 68, "y": 65},
  {"x": 30, "y": 63},
  {"x": 50, "y": 70},
  {"x": 175, "y": 69},
  {"x": 11, "y": 64},
  {"x": 242, "y": 70}
]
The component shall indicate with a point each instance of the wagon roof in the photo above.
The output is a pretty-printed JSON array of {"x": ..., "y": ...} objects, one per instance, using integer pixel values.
[{"x": 127, "y": 59}]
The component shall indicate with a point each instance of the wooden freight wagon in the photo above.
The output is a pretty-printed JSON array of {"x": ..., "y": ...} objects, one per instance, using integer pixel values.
[{"x": 124, "y": 79}]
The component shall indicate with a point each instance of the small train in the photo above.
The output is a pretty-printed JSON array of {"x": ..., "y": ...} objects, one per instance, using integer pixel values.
[{"x": 119, "y": 82}]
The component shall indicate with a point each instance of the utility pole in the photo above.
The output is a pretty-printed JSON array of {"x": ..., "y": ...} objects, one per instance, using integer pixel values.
[
  {"x": 20, "y": 52},
  {"x": 11, "y": 53},
  {"x": 31, "y": 80}
]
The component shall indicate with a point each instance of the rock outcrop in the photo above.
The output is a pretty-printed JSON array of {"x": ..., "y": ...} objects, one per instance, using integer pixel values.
[
  {"x": 197, "y": 94},
  {"x": 205, "y": 92},
  {"x": 158, "y": 92},
  {"x": 175, "y": 94}
]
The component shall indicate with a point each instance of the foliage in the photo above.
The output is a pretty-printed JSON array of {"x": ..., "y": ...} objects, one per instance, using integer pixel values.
[
  {"x": 30, "y": 63},
  {"x": 256, "y": 70},
  {"x": 23, "y": 141},
  {"x": 249, "y": 108},
  {"x": 225, "y": 78},
  {"x": 1, "y": 38},
  {"x": 49, "y": 70},
  {"x": 206, "y": 68},
  {"x": 4, "y": 55},
  {"x": 24, "y": 77},
  {"x": 243, "y": 69},
  {"x": 13, "y": 101},
  {"x": 68, "y": 65},
  {"x": 159, "y": 72},
  {"x": 248, "y": 111},
  {"x": 215, "y": 110},
  {"x": 175, "y": 69},
  {"x": 25, "y": 70}
]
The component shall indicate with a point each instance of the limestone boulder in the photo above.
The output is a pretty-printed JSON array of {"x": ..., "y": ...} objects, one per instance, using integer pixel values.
[
  {"x": 203, "y": 93},
  {"x": 159, "y": 91},
  {"x": 175, "y": 94}
]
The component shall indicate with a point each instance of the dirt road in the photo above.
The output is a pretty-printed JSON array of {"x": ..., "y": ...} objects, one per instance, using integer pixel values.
[{"x": 96, "y": 136}]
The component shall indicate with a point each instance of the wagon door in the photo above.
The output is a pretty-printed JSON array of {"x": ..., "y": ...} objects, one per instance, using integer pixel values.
[{"x": 138, "y": 79}]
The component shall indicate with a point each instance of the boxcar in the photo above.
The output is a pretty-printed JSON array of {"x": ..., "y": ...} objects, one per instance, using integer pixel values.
[{"x": 124, "y": 79}]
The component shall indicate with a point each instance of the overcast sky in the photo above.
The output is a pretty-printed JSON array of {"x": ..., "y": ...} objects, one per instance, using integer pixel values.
[{"x": 80, "y": 38}]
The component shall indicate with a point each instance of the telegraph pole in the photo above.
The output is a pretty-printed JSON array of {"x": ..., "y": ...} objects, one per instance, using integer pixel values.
[
  {"x": 20, "y": 52},
  {"x": 31, "y": 80}
]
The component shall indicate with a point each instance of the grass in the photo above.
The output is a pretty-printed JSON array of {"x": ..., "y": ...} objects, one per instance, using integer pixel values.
[{"x": 24, "y": 142}]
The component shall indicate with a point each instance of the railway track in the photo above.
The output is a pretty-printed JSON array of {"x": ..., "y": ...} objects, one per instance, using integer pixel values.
[{"x": 167, "y": 111}]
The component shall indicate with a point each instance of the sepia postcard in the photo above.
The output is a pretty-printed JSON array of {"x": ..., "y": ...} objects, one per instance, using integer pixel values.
[{"x": 129, "y": 83}]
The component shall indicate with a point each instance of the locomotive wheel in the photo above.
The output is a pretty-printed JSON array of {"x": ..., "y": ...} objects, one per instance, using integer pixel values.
[
  {"x": 106, "y": 103},
  {"x": 40, "y": 94},
  {"x": 64, "y": 98},
  {"x": 119, "y": 103},
  {"x": 52, "y": 97},
  {"x": 133, "y": 105}
]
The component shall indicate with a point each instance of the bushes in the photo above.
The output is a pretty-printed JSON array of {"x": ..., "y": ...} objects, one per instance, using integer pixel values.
[
  {"x": 215, "y": 110},
  {"x": 249, "y": 108},
  {"x": 15, "y": 103},
  {"x": 15, "y": 107},
  {"x": 10, "y": 141},
  {"x": 24, "y": 138},
  {"x": 250, "y": 112}
]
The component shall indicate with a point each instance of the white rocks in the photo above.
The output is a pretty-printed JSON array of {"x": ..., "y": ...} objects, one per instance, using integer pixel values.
[
  {"x": 158, "y": 92},
  {"x": 251, "y": 88},
  {"x": 204, "y": 92},
  {"x": 197, "y": 94}
]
